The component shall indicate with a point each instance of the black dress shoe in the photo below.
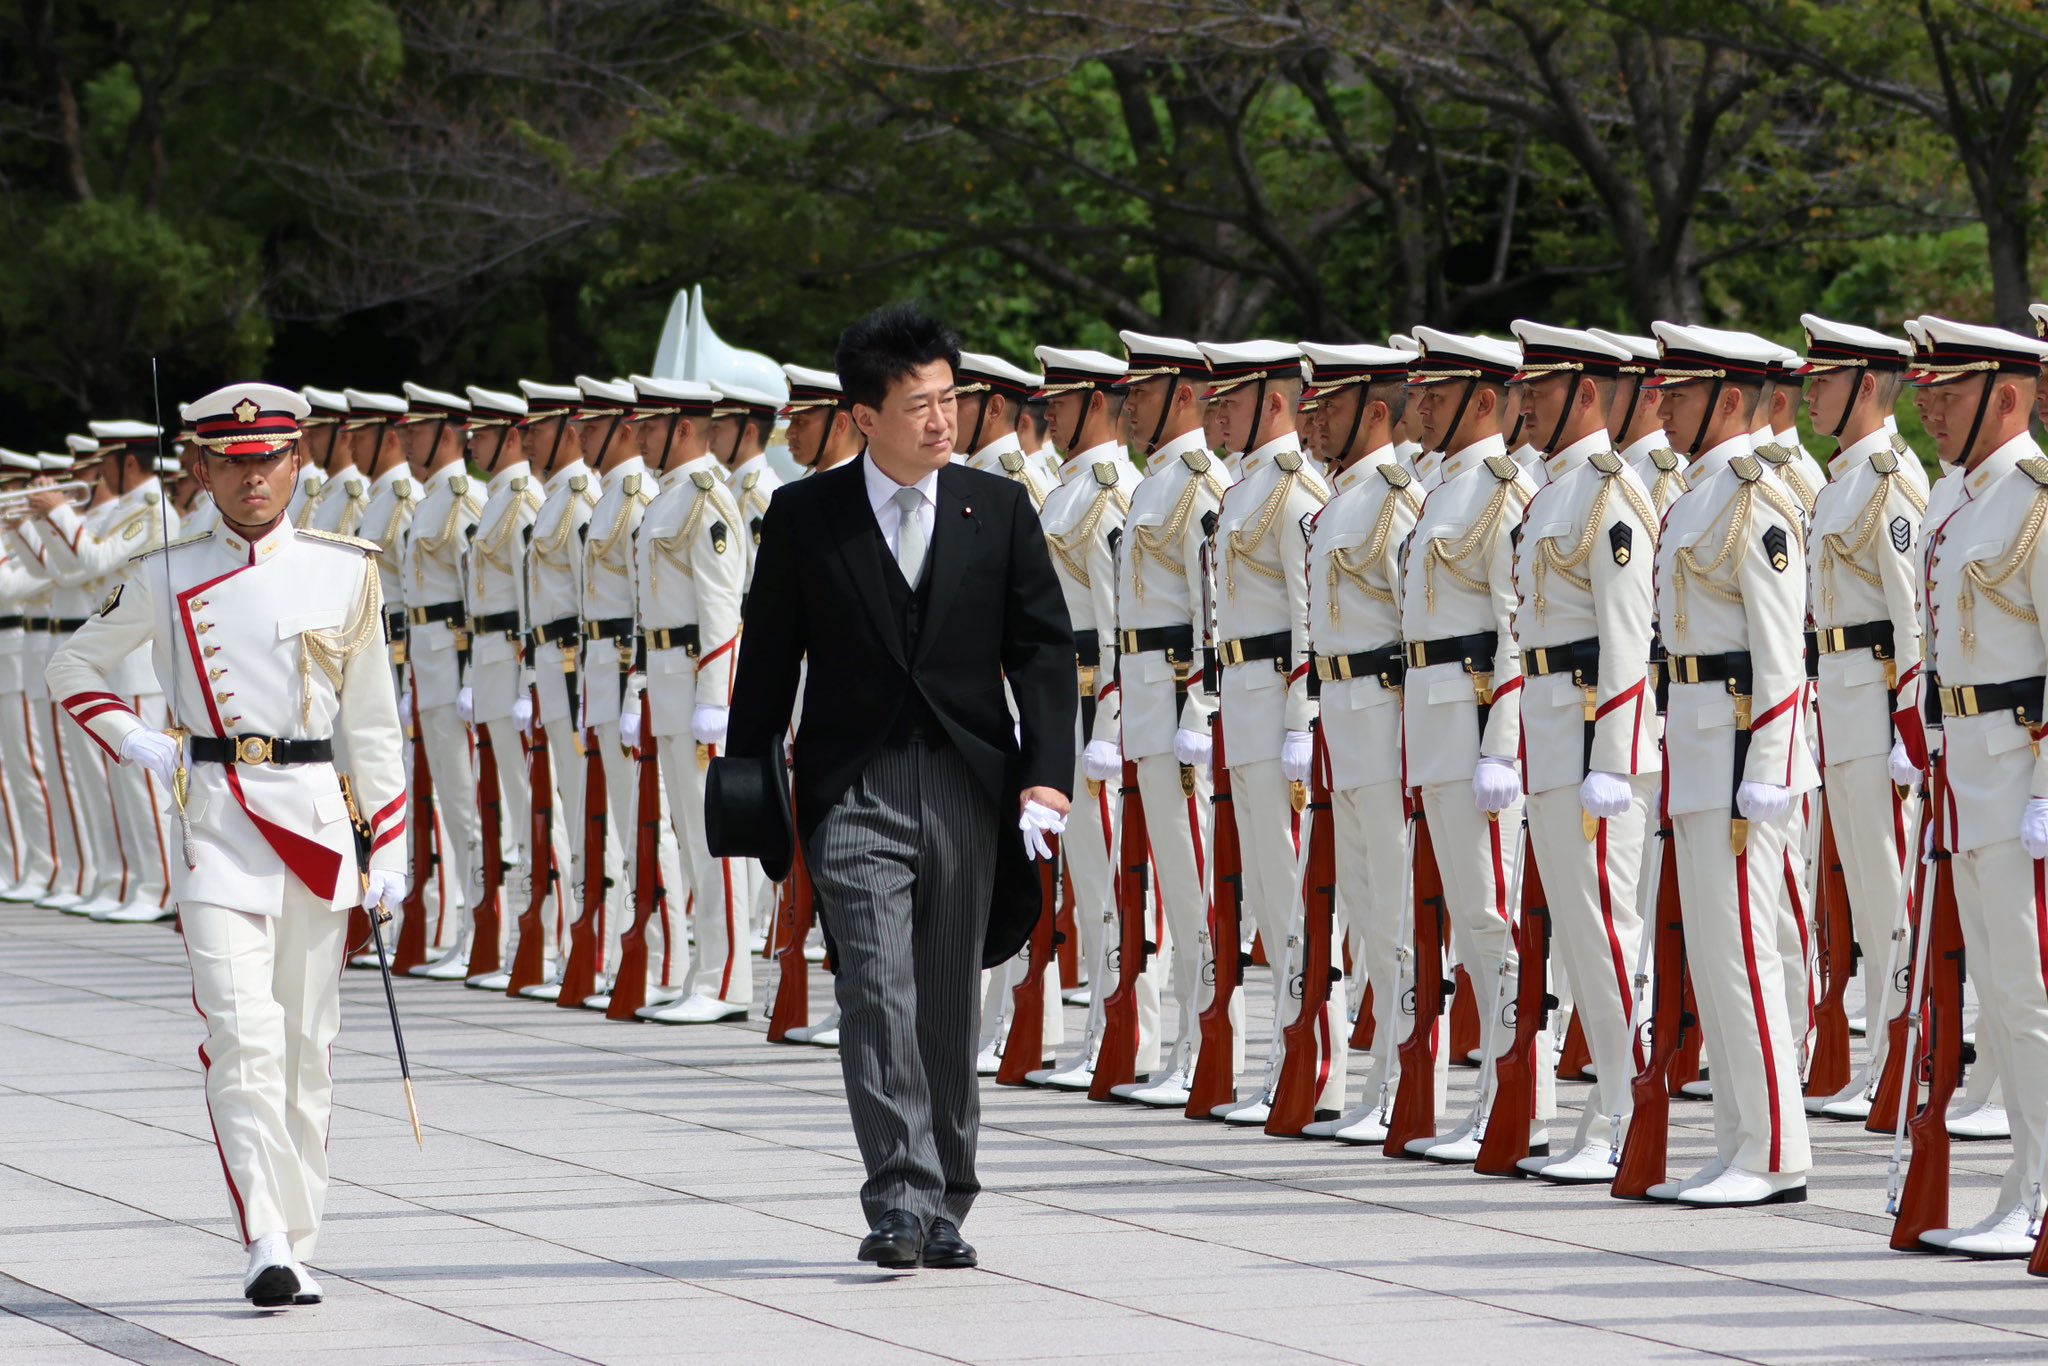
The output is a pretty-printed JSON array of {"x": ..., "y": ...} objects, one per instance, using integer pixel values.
[
  {"x": 274, "y": 1287},
  {"x": 945, "y": 1248},
  {"x": 895, "y": 1240}
]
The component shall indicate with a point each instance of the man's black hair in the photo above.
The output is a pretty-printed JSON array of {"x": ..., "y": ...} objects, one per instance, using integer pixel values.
[{"x": 888, "y": 344}]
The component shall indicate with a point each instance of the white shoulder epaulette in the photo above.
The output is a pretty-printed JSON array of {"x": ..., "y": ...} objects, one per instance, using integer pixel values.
[
  {"x": 1105, "y": 473},
  {"x": 1196, "y": 459},
  {"x": 1664, "y": 458},
  {"x": 1747, "y": 468},
  {"x": 1290, "y": 461},
  {"x": 160, "y": 549},
  {"x": 2036, "y": 469},
  {"x": 1503, "y": 467},
  {"x": 1396, "y": 477},
  {"x": 1607, "y": 462},
  {"x": 336, "y": 538}
]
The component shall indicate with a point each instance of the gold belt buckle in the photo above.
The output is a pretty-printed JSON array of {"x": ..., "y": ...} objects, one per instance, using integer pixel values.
[
  {"x": 1415, "y": 654},
  {"x": 1231, "y": 652},
  {"x": 252, "y": 749},
  {"x": 1127, "y": 642},
  {"x": 1085, "y": 674},
  {"x": 1482, "y": 687},
  {"x": 1742, "y": 711}
]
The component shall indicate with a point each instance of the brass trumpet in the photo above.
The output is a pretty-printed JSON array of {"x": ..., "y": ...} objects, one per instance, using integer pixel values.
[{"x": 14, "y": 501}]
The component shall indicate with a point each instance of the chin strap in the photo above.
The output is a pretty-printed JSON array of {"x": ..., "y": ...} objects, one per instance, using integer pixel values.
[
  {"x": 1446, "y": 444},
  {"x": 1977, "y": 423},
  {"x": 1564, "y": 415},
  {"x": 973, "y": 440},
  {"x": 1343, "y": 456},
  {"x": 1848, "y": 406},
  {"x": 669, "y": 442},
  {"x": 1172, "y": 378},
  {"x": 1707, "y": 418},
  {"x": 1628, "y": 414}
]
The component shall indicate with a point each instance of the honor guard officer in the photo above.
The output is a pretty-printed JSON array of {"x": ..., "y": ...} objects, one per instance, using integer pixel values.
[
  {"x": 387, "y": 511},
  {"x": 1261, "y": 636},
  {"x": 1633, "y": 424},
  {"x": 554, "y": 598},
  {"x": 1162, "y": 595},
  {"x": 1463, "y": 690},
  {"x": 432, "y": 433},
  {"x": 23, "y": 546},
  {"x": 993, "y": 396},
  {"x": 691, "y": 568},
  {"x": 496, "y": 603},
  {"x": 22, "y": 784},
  {"x": 268, "y": 640},
  {"x": 1864, "y": 600},
  {"x": 326, "y": 411},
  {"x": 345, "y": 496},
  {"x": 1731, "y": 605},
  {"x": 1777, "y": 435},
  {"x": 1354, "y": 633},
  {"x": 93, "y": 551},
  {"x": 1987, "y": 583},
  {"x": 1583, "y": 569},
  {"x": 1084, "y": 529},
  {"x": 197, "y": 507},
  {"x": 821, "y": 433},
  {"x": 611, "y": 624}
]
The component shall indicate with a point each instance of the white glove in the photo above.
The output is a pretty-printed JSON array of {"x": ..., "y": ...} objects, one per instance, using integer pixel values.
[
  {"x": 405, "y": 707},
  {"x": 1605, "y": 795},
  {"x": 1102, "y": 761},
  {"x": 1193, "y": 747},
  {"x": 1904, "y": 771},
  {"x": 1297, "y": 753},
  {"x": 389, "y": 888},
  {"x": 629, "y": 728},
  {"x": 154, "y": 750},
  {"x": 522, "y": 714},
  {"x": 1496, "y": 785},
  {"x": 2034, "y": 828},
  {"x": 465, "y": 705},
  {"x": 1763, "y": 801},
  {"x": 707, "y": 725},
  {"x": 1036, "y": 823}
]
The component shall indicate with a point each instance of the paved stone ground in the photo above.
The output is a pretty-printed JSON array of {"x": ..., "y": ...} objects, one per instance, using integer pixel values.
[{"x": 610, "y": 1193}]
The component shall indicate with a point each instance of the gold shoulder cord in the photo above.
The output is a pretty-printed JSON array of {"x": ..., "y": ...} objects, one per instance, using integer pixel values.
[
  {"x": 1838, "y": 548},
  {"x": 665, "y": 547},
  {"x": 1242, "y": 547},
  {"x": 1665, "y": 479},
  {"x": 1453, "y": 559},
  {"x": 603, "y": 547},
  {"x": 1355, "y": 564},
  {"x": 331, "y": 650},
  {"x": 1976, "y": 578},
  {"x": 1076, "y": 541},
  {"x": 1688, "y": 560},
  {"x": 1151, "y": 543},
  {"x": 432, "y": 545},
  {"x": 1548, "y": 558}
]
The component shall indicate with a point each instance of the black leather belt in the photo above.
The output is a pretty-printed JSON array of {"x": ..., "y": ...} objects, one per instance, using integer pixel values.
[
  {"x": 1732, "y": 668},
  {"x": 493, "y": 623},
  {"x": 66, "y": 624},
  {"x": 1930, "y": 699},
  {"x": 1874, "y": 636},
  {"x": 1250, "y": 649},
  {"x": 1579, "y": 658},
  {"x": 1087, "y": 660},
  {"x": 559, "y": 632},
  {"x": 1475, "y": 651},
  {"x": 607, "y": 628},
  {"x": 11, "y": 623},
  {"x": 260, "y": 749},
  {"x": 1087, "y": 648},
  {"x": 2021, "y": 697},
  {"x": 394, "y": 624},
  {"x": 35, "y": 623},
  {"x": 684, "y": 638},
  {"x": 1177, "y": 641},
  {"x": 440, "y": 611},
  {"x": 1389, "y": 665},
  {"x": 1812, "y": 656}
]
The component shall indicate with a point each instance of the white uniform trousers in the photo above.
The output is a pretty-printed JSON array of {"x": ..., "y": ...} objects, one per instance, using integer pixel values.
[
  {"x": 269, "y": 989},
  {"x": 569, "y": 764},
  {"x": 1372, "y": 845},
  {"x": 516, "y": 829},
  {"x": 1872, "y": 824},
  {"x": 108, "y": 880},
  {"x": 14, "y": 836},
  {"x": 1334, "y": 1031},
  {"x": 74, "y": 852},
  {"x": 450, "y": 760},
  {"x": 2002, "y": 901},
  {"x": 1089, "y": 848},
  {"x": 147, "y": 836},
  {"x": 1476, "y": 859},
  {"x": 21, "y": 769},
  {"x": 719, "y": 964},
  {"x": 1596, "y": 932},
  {"x": 667, "y": 954},
  {"x": 1177, "y": 827},
  {"x": 1736, "y": 920},
  {"x": 1261, "y": 800}
]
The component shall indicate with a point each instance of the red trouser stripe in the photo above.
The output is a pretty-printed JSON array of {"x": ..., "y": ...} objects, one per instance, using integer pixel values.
[
  {"x": 1756, "y": 996},
  {"x": 1614, "y": 952}
]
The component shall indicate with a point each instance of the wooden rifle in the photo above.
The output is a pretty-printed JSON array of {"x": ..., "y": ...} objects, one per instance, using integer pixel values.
[
  {"x": 586, "y": 932},
  {"x": 795, "y": 907},
  {"x": 1414, "y": 1113},
  {"x": 1937, "y": 1054},
  {"x": 1890, "y": 1087},
  {"x": 1305, "y": 1070},
  {"x": 1467, "y": 1035},
  {"x": 1024, "y": 1048},
  {"x": 629, "y": 984},
  {"x": 411, "y": 950},
  {"x": 1575, "y": 1055},
  {"x": 1645, "y": 1155},
  {"x": 487, "y": 925},
  {"x": 1116, "y": 1061},
  {"x": 530, "y": 954},
  {"x": 1215, "y": 1080},
  {"x": 1068, "y": 933},
  {"x": 1828, "y": 1068},
  {"x": 1506, "y": 1141},
  {"x": 1362, "y": 1028}
]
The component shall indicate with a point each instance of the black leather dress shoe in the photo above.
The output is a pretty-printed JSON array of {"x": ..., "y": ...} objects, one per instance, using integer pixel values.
[
  {"x": 945, "y": 1248},
  {"x": 895, "y": 1240}
]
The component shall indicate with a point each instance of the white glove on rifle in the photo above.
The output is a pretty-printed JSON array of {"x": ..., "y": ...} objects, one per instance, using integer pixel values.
[
  {"x": 465, "y": 706},
  {"x": 1605, "y": 795},
  {"x": 405, "y": 708},
  {"x": 1102, "y": 761},
  {"x": 1193, "y": 747},
  {"x": 1904, "y": 771},
  {"x": 522, "y": 714},
  {"x": 1763, "y": 801},
  {"x": 2034, "y": 828},
  {"x": 707, "y": 725},
  {"x": 1496, "y": 785},
  {"x": 389, "y": 888},
  {"x": 154, "y": 750},
  {"x": 629, "y": 728},
  {"x": 1297, "y": 753},
  {"x": 1036, "y": 823}
]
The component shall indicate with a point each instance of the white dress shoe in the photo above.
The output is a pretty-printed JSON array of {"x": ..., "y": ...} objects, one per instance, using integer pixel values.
[
  {"x": 1589, "y": 1166},
  {"x": 1254, "y": 1113},
  {"x": 2008, "y": 1238},
  {"x": 1079, "y": 1077},
  {"x": 309, "y": 1289},
  {"x": 1420, "y": 1147},
  {"x": 1857, "y": 1026},
  {"x": 601, "y": 1001},
  {"x": 1169, "y": 1092},
  {"x": 696, "y": 1009},
  {"x": 489, "y": 981},
  {"x": 1703, "y": 1089},
  {"x": 827, "y": 1036},
  {"x": 1671, "y": 1190},
  {"x": 1851, "y": 1102},
  {"x": 269, "y": 1281},
  {"x": 541, "y": 991},
  {"x": 1736, "y": 1189},
  {"x": 1943, "y": 1238},
  {"x": 99, "y": 908},
  {"x": 1369, "y": 1130},
  {"x": 757, "y": 943},
  {"x": 452, "y": 966},
  {"x": 1083, "y": 995},
  {"x": 61, "y": 901},
  {"x": 141, "y": 913},
  {"x": 23, "y": 891},
  {"x": 663, "y": 996},
  {"x": 1986, "y": 1121},
  {"x": 986, "y": 1063}
]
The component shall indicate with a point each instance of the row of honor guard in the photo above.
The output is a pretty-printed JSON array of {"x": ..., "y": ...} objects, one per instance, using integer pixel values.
[{"x": 1521, "y": 631}]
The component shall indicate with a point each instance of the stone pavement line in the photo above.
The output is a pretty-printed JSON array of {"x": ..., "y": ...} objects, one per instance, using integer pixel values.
[{"x": 95, "y": 1328}]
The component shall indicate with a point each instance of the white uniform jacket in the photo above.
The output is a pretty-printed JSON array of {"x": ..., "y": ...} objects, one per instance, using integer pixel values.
[
  {"x": 1084, "y": 524},
  {"x": 432, "y": 570},
  {"x": 497, "y": 591},
  {"x": 610, "y": 614},
  {"x": 691, "y": 564},
  {"x": 1159, "y": 585},
  {"x": 1262, "y": 590},
  {"x": 554, "y": 583}
]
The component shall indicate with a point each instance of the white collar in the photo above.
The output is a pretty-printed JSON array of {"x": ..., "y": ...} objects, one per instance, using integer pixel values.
[
  {"x": 998, "y": 448},
  {"x": 1640, "y": 448},
  {"x": 1175, "y": 447},
  {"x": 561, "y": 477},
  {"x": 1350, "y": 475},
  {"x": 1576, "y": 454},
  {"x": 1100, "y": 451},
  {"x": 881, "y": 488},
  {"x": 617, "y": 474}
]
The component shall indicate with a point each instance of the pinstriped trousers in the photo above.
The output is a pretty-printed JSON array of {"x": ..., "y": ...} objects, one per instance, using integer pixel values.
[{"x": 902, "y": 866}]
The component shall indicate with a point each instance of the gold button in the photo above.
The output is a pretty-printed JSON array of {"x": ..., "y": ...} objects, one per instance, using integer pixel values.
[{"x": 204, "y": 627}]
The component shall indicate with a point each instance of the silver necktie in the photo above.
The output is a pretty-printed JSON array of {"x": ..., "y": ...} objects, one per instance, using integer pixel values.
[{"x": 910, "y": 535}]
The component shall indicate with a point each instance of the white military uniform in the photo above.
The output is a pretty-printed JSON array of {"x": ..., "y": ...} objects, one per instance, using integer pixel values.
[
  {"x": 204, "y": 516},
  {"x": 340, "y": 504},
  {"x": 1005, "y": 456},
  {"x": 63, "y": 769},
  {"x": 751, "y": 483},
  {"x": 277, "y": 639},
  {"x": 1658, "y": 468},
  {"x": 29, "y": 815},
  {"x": 311, "y": 480}
]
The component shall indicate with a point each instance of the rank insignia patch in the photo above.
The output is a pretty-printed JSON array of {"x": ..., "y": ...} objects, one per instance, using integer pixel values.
[
  {"x": 1621, "y": 541},
  {"x": 113, "y": 599},
  {"x": 718, "y": 538},
  {"x": 1774, "y": 547},
  {"x": 1902, "y": 535}
]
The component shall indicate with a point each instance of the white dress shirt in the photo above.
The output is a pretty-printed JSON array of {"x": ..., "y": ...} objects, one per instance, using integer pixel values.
[{"x": 882, "y": 491}]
